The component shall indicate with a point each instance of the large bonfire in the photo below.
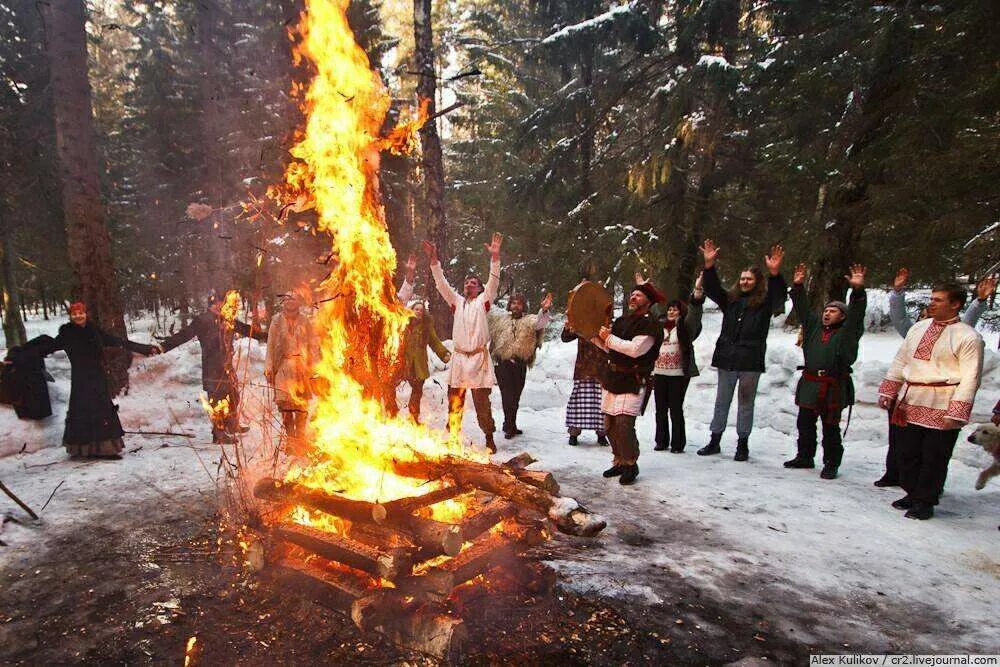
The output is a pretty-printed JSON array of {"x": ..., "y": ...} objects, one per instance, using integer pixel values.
[{"x": 353, "y": 440}]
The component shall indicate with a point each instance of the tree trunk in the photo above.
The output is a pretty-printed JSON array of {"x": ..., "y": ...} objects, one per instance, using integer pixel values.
[
  {"x": 88, "y": 241},
  {"x": 433, "y": 160},
  {"x": 217, "y": 267},
  {"x": 13, "y": 325}
]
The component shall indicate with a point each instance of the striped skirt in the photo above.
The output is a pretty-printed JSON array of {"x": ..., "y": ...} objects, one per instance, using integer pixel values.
[{"x": 584, "y": 408}]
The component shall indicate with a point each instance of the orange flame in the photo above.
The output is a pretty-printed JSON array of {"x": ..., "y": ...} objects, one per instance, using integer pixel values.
[
  {"x": 230, "y": 308},
  {"x": 359, "y": 327},
  {"x": 217, "y": 410}
]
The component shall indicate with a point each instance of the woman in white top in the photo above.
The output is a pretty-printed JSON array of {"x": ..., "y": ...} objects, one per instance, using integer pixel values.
[{"x": 674, "y": 368}]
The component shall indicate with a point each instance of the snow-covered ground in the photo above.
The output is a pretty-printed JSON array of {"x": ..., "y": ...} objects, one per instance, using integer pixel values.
[{"x": 827, "y": 562}]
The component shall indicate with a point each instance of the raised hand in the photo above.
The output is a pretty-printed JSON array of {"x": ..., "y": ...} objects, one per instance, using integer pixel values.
[
  {"x": 856, "y": 278},
  {"x": 985, "y": 287},
  {"x": 639, "y": 280},
  {"x": 431, "y": 251},
  {"x": 902, "y": 276},
  {"x": 698, "y": 290},
  {"x": 547, "y": 302},
  {"x": 710, "y": 252},
  {"x": 494, "y": 247},
  {"x": 773, "y": 259},
  {"x": 799, "y": 274},
  {"x": 410, "y": 267}
]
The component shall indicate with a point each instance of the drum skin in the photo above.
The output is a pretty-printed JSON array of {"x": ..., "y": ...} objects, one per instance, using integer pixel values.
[{"x": 588, "y": 309}]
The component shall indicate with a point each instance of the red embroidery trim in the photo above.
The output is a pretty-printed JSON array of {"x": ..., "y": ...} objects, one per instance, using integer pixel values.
[
  {"x": 930, "y": 338},
  {"x": 960, "y": 410},
  {"x": 889, "y": 388},
  {"x": 923, "y": 416}
]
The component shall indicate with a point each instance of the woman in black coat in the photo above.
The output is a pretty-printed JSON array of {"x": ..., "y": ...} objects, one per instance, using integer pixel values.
[{"x": 92, "y": 426}]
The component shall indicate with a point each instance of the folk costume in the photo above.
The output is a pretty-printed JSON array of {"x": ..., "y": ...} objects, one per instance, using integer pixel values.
[
  {"x": 901, "y": 322},
  {"x": 583, "y": 410},
  {"x": 288, "y": 366},
  {"x": 825, "y": 387},
  {"x": 92, "y": 425},
  {"x": 218, "y": 378},
  {"x": 470, "y": 362},
  {"x": 632, "y": 348},
  {"x": 514, "y": 341},
  {"x": 415, "y": 370},
  {"x": 935, "y": 374},
  {"x": 23, "y": 381},
  {"x": 672, "y": 372},
  {"x": 739, "y": 355}
]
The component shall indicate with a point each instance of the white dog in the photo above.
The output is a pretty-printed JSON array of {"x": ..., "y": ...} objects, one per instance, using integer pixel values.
[{"x": 987, "y": 436}]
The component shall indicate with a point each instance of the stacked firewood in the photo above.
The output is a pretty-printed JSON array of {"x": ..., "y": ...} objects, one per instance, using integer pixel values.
[{"x": 395, "y": 570}]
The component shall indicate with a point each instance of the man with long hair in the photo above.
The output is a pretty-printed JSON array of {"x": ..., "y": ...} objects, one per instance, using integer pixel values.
[{"x": 739, "y": 353}]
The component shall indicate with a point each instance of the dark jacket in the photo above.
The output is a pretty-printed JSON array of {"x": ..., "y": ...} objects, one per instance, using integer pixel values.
[
  {"x": 829, "y": 352},
  {"x": 625, "y": 374},
  {"x": 590, "y": 359},
  {"x": 91, "y": 416},
  {"x": 743, "y": 338},
  {"x": 216, "y": 340},
  {"x": 23, "y": 381}
]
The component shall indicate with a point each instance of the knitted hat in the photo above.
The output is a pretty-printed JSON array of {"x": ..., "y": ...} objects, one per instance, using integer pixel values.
[
  {"x": 654, "y": 295},
  {"x": 839, "y": 305}
]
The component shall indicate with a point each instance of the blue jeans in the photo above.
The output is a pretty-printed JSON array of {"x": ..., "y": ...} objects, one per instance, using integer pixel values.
[{"x": 728, "y": 380}]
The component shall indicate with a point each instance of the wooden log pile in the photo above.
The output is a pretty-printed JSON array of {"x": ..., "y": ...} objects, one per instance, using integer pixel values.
[{"x": 395, "y": 571}]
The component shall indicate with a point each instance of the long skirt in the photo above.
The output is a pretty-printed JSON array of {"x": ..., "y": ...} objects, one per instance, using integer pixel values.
[
  {"x": 584, "y": 408},
  {"x": 97, "y": 449}
]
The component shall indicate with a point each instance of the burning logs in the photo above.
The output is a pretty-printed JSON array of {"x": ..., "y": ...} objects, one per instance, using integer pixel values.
[
  {"x": 433, "y": 537},
  {"x": 387, "y": 564},
  {"x": 569, "y": 516},
  {"x": 394, "y": 570}
]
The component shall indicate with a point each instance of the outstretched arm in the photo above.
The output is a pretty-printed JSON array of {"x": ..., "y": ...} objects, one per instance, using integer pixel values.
[
  {"x": 713, "y": 287},
  {"x": 245, "y": 330},
  {"x": 181, "y": 337},
  {"x": 855, "y": 321},
  {"x": 900, "y": 321},
  {"x": 405, "y": 292},
  {"x": 984, "y": 288},
  {"x": 493, "y": 282},
  {"x": 444, "y": 289}
]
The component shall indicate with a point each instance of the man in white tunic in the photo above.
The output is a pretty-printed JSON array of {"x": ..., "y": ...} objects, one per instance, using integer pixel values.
[
  {"x": 471, "y": 367},
  {"x": 930, "y": 388}
]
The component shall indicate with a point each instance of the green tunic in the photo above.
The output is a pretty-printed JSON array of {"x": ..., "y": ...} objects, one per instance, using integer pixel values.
[
  {"x": 419, "y": 334},
  {"x": 829, "y": 349}
]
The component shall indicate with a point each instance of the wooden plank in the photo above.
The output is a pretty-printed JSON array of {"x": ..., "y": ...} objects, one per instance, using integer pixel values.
[{"x": 386, "y": 564}]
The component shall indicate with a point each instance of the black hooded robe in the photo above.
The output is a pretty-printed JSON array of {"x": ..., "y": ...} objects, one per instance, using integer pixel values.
[{"x": 24, "y": 379}]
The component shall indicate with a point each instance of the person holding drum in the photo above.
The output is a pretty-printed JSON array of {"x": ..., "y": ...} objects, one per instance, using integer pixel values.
[
  {"x": 471, "y": 368},
  {"x": 588, "y": 309},
  {"x": 633, "y": 343}
]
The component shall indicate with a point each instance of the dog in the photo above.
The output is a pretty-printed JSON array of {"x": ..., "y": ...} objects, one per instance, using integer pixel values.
[{"x": 987, "y": 436}]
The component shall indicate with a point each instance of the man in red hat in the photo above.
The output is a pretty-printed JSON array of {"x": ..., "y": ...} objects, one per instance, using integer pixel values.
[{"x": 632, "y": 343}]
